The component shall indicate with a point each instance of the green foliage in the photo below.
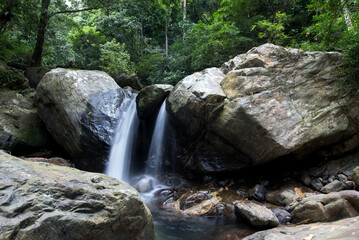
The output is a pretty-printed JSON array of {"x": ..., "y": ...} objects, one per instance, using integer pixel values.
[
  {"x": 335, "y": 27},
  {"x": 115, "y": 60},
  {"x": 58, "y": 47},
  {"x": 11, "y": 78},
  {"x": 87, "y": 45},
  {"x": 13, "y": 50},
  {"x": 273, "y": 32},
  {"x": 129, "y": 37}
]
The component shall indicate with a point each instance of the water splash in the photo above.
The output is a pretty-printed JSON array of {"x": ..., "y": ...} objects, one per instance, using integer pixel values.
[
  {"x": 157, "y": 148},
  {"x": 121, "y": 150}
]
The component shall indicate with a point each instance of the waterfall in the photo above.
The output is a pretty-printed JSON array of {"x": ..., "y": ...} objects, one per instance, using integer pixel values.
[
  {"x": 157, "y": 147},
  {"x": 118, "y": 165}
]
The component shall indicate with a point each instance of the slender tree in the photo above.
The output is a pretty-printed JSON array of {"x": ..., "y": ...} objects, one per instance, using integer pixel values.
[
  {"x": 6, "y": 14},
  {"x": 45, "y": 18}
]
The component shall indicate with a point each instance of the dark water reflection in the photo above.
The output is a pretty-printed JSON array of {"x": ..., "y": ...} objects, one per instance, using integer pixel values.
[{"x": 170, "y": 226}]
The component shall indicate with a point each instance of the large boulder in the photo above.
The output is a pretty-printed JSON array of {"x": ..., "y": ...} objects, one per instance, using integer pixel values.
[
  {"x": 44, "y": 201},
  {"x": 327, "y": 207},
  {"x": 150, "y": 98},
  {"x": 12, "y": 78},
  {"x": 193, "y": 99},
  {"x": 344, "y": 229},
  {"x": 272, "y": 102},
  {"x": 287, "y": 101},
  {"x": 20, "y": 125},
  {"x": 80, "y": 109}
]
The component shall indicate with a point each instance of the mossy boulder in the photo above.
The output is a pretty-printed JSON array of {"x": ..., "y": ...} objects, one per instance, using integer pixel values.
[
  {"x": 20, "y": 125},
  {"x": 12, "y": 78}
]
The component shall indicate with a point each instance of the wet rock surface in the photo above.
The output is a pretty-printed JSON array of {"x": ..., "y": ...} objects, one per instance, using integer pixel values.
[
  {"x": 283, "y": 216},
  {"x": 81, "y": 109},
  {"x": 344, "y": 229},
  {"x": 288, "y": 193},
  {"x": 44, "y": 201},
  {"x": 150, "y": 98},
  {"x": 327, "y": 207},
  {"x": 256, "y": 215}
]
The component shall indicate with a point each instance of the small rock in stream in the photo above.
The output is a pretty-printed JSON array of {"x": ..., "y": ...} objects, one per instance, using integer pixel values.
[
  {"x": 258, "y": 193},
  {"x": 316, "y": 184},
  {"x": 334, "y": 186},
  {"x": 256, "y": 215},
  {"x": 283, "y": 216}
]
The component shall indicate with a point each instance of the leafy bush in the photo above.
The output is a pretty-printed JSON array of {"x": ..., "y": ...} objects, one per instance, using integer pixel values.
[
  {"x": 115, "y": 60},
  {"x": 273, "y": 32},
  {"x": 87, "y": 43}
]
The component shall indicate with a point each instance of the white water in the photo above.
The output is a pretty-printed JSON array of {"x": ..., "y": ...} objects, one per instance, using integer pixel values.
[
  {"x": 157, "y": 147},
  {"x": 118, "y": 165}
]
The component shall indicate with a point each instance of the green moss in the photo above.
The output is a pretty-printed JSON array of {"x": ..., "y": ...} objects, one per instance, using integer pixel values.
[{"x": 11, "y": 78}]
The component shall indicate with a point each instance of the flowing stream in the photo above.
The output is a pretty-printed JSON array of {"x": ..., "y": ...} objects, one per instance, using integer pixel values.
[
  {"x": 169, "y": 225},
  {"x": 118, "y": 165},
  {"x": 157, "y": 148}
]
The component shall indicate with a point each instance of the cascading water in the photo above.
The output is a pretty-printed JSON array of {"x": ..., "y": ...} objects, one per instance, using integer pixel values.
[
  {"x": 121, "y": 151},
  {"x": 157, "y": 148}
]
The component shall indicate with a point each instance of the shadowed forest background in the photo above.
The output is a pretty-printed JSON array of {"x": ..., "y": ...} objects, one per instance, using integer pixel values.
[{"x": 162, "y": 41}]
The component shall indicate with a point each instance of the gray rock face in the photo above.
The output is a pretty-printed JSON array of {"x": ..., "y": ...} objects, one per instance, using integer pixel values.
[
  {"x": 283, "y": 216},
  {"x": 20, "y": 125},
  {"x": 44, "y": 201},
  {"x": 285, "y": 101},
  {"x": 327, "y": 207},
  {"x": 272, "y": 102},
  {"x": 80, "y": 110},
  {"x": 193, "y": 99},
  {"x": 256, "y": 215},
  {"x": 334, "y": 186},
  {"x": 344, "y": 229},
  {"x": 150, "y": 98},
  {"x": 355, "y": 177}
]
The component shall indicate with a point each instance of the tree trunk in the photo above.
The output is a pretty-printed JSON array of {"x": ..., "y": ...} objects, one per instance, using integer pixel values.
[
  {"x": 184, "y": 16},
  {"x": 141, "y": 37},
  {"x": 347, "y": 17},
  {"x": 6, "y": 15},
  {"x": 44, "y": 20},
  {"x": 184, "y": 9},
  {"x": 166, "y": 38}
]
